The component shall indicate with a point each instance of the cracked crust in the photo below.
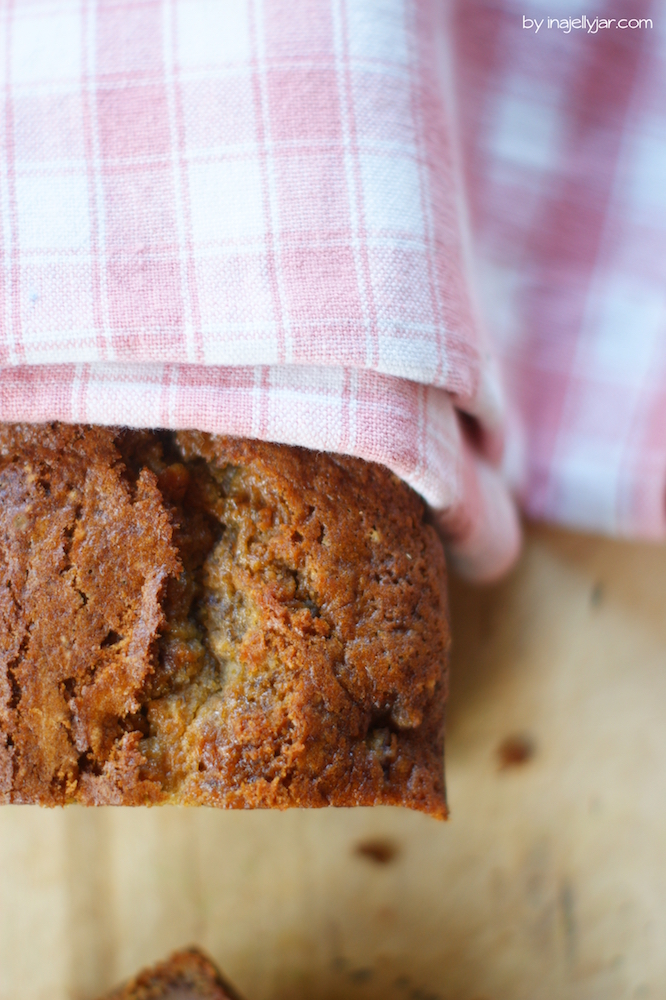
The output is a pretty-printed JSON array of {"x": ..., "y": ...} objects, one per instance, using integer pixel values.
[{"x": 216, "y": 621}]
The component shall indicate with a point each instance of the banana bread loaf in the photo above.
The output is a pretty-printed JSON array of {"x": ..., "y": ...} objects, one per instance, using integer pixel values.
[
  {"x": 187, "y": 975},
  {"x": 204, "y": 620}
]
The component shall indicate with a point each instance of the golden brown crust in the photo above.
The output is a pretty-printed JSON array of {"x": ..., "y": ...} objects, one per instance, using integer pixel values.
[
  {"x": 79, "y": 611},
  {"x": 186, "y": 975},
  {"x": 209, "y": 620}
]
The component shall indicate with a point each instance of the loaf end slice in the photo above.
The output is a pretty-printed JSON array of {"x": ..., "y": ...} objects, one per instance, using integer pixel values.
[{"x": 186, "y": 975}]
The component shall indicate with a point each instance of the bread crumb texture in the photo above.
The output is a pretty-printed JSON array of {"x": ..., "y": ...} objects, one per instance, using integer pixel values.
[
  {"x": 206, "y": 620},
  {"x": 187, "y": 975}
]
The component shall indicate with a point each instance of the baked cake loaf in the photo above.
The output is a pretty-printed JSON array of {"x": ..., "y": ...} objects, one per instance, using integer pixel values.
[
  {"x": 205, "y": 620},
  {"x": 187, "y": 975}
]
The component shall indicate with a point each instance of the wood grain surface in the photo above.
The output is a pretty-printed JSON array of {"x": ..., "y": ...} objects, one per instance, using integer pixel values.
[{"x": 549, "y": 880}]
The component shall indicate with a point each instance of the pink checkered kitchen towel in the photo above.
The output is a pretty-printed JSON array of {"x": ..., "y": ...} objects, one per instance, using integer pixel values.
[
  {"x": 563, "y": 112},
  {"x": 252, "y": 216}
]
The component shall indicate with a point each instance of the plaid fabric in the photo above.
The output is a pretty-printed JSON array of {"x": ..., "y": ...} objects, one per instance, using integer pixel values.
[
  {"x": 565, "y": 147},
  {"x": 241, "y": 215},
  {"x": 250, "y": 216}
]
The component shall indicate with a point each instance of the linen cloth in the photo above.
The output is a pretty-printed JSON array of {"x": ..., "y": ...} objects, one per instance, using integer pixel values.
[
  {"x": 253, "y": 217},
  {"x": 565, "y": 148}
]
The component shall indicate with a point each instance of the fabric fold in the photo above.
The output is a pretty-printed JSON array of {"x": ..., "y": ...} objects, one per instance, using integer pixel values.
[{"x": 246, "y": 217}]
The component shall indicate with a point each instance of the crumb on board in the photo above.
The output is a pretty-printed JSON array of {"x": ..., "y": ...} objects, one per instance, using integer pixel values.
[
  {"x": 381, "y": 851},
  {"x": 515, "y": 750}
]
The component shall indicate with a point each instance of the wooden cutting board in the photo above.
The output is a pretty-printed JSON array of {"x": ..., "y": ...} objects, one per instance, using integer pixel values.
[{"x": 549, "y": 881}]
